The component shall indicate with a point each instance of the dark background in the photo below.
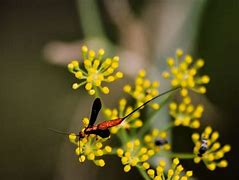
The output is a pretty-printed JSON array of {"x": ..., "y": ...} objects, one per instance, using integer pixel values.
[{"x": 35, "y": 95}]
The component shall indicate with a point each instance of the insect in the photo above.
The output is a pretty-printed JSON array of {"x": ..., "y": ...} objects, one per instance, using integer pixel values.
[
  {"x": 102, "y": 129},
  {"x": 203, "y": 147},
  {"x": 160, "y": 142}
]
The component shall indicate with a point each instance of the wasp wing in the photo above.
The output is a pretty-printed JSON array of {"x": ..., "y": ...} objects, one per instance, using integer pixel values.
[{"x": 94, "y": 112}]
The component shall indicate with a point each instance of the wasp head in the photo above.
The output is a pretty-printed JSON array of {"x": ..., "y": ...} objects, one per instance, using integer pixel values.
[{"x": 81, "y": 135}]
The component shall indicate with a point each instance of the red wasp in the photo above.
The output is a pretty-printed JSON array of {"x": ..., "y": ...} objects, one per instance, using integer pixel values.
[{"x": 102, "y": 129}]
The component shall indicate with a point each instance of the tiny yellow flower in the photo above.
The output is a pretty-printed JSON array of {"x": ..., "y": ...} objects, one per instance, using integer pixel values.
[
  {"x": 157, "y": 140},
  {"x": 133, "y": 154},
  {"x": 90, "y": 147},
  {"x": 144, "y": 90},
  {"x": 185, "y": 113},
  {"x": 131, "y": 122},
  {"x": 94, "y": 71},
  {"x": 209, "y": 150},
  {"x": 184, "y": 73},
  {"x": 174, "y": 173}
]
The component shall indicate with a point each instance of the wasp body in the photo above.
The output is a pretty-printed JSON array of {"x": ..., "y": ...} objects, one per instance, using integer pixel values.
[{"x": 102, "y": 129}]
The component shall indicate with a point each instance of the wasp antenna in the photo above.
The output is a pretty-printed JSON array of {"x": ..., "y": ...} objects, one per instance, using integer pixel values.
[
  {"x": 166, "y": 92},
  {"x": 59, "y": 132}
]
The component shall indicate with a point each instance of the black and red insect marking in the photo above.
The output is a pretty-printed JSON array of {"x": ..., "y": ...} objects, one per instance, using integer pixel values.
[
  {"x": 160, "y": 142},
  {"x": 102, "y": 129},
  {"x": 203, "y": 148}
]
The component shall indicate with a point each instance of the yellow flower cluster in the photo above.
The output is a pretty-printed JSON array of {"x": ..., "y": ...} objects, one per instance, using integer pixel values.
[
  {"x": 185, "y": 113},
  {"x": 157, "y": 140},
  {"x": 184, "y": 73},
  {"x": 90, "y": 147},
  {"x": 212, "y": 157},
  {"x": 174, "y": 173},
  {"x": 94, "y": 71},
  {"x": 131, "y": 122},
  {"x": 144, "y": 90},
  {"x": 134, "y": 155}
]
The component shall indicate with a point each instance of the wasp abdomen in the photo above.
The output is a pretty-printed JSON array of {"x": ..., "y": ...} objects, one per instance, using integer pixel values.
[{"x": 108, "y": 124}]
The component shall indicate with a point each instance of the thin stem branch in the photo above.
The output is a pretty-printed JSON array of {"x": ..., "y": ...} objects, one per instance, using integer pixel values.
[
  {"x": 97, "y": 94},
  {"x": 143, "y": 173},
  {"x": 183, "y": 155},
  {"x": 178, "y": 155}
]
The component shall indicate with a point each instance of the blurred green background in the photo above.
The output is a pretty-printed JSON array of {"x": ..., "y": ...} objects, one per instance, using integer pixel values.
[{"x": 36, "y": 89}]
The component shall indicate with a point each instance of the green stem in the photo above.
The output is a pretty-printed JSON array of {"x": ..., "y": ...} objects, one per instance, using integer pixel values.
[
  {"x": 89, "y": 16},
  {"x": 178, "y": 155},
  {"x": 133, "y": 133},
  {"x": 165, "y": 101},
  {"x": 167, "y": 127},
  {"x": 114, "y": 151},
  {"x": 123, "y": 136},
  {"x": 97, "y": 94},
  {"x": 143, "y": 173},
  {"x": 183, "y": 155}
]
